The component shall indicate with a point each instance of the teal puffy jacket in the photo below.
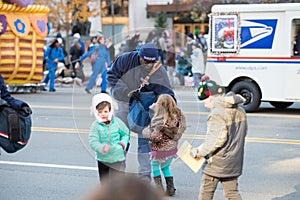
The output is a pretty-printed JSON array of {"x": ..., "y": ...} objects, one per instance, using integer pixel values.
[{"x": 114, "y": 134}]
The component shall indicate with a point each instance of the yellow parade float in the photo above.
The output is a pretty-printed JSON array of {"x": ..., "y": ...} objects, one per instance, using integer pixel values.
[{"x": 22, "y": 31}]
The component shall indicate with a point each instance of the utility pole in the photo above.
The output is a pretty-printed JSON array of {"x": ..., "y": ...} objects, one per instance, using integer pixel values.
[
  {"x": 100, "y": 16},
  {"x": 112, "y": 20}
]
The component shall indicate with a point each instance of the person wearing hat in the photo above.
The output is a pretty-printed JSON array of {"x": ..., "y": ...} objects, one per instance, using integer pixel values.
[
  {"x": 75, "y": 53},
  {"x": 223, "y": 147},
  {"x": 198, "y": 66},
  {"x": 53, "y": 55},
  {"x": 108, "y": 137},
  {"x": 76, "y": 37},
  {"x": 61, "y": 45},
  {"x": 125, "y": 76},
  {"x": 100, "y": 60},
  {"x": 202, "y": 43},
  {"x": 190, "y": 40},
  {"x": 58, "y": 35},
  {"x": 170, "y": 61}
]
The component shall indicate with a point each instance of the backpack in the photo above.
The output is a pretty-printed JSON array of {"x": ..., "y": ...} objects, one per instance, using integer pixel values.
[
  {"x": 138, "y": 116},
  {"x": 94, "y": 57},
  {"x": 15, "y": 128}
]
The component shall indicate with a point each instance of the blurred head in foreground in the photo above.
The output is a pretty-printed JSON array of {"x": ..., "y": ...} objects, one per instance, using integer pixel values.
[{"x": 125, "y": 188}]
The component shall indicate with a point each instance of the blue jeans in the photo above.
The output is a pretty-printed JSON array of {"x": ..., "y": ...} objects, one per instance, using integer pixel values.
[
  {"x": 144, "y": 156},
  {"x": 143, "y": 144},
  {"x": 97, "y": 70},
  {"x": 50, "y": 76}
]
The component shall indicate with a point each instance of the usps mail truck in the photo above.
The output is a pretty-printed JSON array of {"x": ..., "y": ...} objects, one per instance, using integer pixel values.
[{"x": 254, "y": 51}]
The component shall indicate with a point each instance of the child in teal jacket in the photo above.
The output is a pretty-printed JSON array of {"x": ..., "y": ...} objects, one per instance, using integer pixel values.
[{"x": 108, "y": 137}]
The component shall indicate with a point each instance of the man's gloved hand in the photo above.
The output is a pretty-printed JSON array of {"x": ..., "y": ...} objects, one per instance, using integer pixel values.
[
  {"x": 26, "y": 110},
  {"x": 194, "y": 152},
  {"x": 135, "y": 95}
]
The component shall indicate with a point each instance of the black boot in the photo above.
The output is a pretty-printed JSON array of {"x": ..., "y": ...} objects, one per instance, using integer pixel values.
[
  {"x": 158, "y": 183},
  {"x": 170, "y": 186}
]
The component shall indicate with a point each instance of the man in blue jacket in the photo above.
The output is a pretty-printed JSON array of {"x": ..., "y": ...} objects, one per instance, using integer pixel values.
[
  {"x": 53, "y": 55},
  {"x": 125, "y": 75}
]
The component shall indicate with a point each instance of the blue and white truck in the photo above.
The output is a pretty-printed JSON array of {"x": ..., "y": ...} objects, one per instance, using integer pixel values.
[{"x": 254, "y": 51}]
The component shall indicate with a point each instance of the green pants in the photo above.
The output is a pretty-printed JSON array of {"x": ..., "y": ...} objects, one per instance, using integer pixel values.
[{"x": 209, "y": 185}]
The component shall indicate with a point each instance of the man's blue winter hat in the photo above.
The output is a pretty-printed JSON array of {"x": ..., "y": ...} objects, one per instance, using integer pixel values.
[
  {"x": 190, "y": 35},
  {"x": 149, "y": 52}
]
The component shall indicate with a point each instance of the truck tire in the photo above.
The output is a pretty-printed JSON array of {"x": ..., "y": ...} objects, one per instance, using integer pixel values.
[
  {"x": 279, "y": 104},
  {"x": 250, "y": 92}
]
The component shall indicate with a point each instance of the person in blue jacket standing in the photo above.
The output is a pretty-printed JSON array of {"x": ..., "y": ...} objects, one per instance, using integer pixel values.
[
  {"x": 125, "y": 75},
  {"x": 99, "y": 65},
  {"x": 53, "y": 55}
]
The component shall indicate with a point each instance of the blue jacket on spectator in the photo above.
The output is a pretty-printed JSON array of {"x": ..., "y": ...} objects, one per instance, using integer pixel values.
[
  {"x": 126, "y": 74},
  {"x": 51, "y": 54},
  {"x": 82, "y": 46},
  {"x": 103, "y": 55}
]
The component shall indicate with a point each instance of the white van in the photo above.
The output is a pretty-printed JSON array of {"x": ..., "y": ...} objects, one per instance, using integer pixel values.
[{"x": 253, "y": 51}]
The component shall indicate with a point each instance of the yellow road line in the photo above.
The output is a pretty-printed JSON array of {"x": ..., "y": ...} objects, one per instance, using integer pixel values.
[
  {"x": 261, "y": 140},
  {"x": 273, "y": 115},
  {"x": 62, "y": 107},
  {"x": 253, "y": 115},
  {"x": 188, "y": 113},
  {"x": 59, "y": 130},
  {"x": 187, "y": 136}
]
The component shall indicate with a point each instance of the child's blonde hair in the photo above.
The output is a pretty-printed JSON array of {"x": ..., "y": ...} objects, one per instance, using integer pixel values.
[{"x": 166, "y": 107}]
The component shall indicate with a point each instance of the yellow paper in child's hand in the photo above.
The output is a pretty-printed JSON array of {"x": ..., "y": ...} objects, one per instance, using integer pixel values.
[
  {"x": 184, "y": 153},
  {"x": 197, "y": 159}
]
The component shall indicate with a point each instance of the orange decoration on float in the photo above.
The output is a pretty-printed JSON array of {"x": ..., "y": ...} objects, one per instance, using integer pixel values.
[
  {"x": 39, "y": 24},
  {"x": 19, "y": 24}
]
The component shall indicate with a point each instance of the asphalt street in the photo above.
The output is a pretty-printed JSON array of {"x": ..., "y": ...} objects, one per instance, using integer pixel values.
[{"x": 58, "y": 164}]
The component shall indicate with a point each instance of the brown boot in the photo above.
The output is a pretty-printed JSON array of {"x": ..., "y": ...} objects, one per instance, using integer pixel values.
[
  {"x": 170, "y": 186},
  {"x": 158, "y": 183}
]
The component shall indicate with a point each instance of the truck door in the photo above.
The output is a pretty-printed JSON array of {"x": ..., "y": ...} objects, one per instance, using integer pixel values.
[{"x": 293, "y": 72}]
